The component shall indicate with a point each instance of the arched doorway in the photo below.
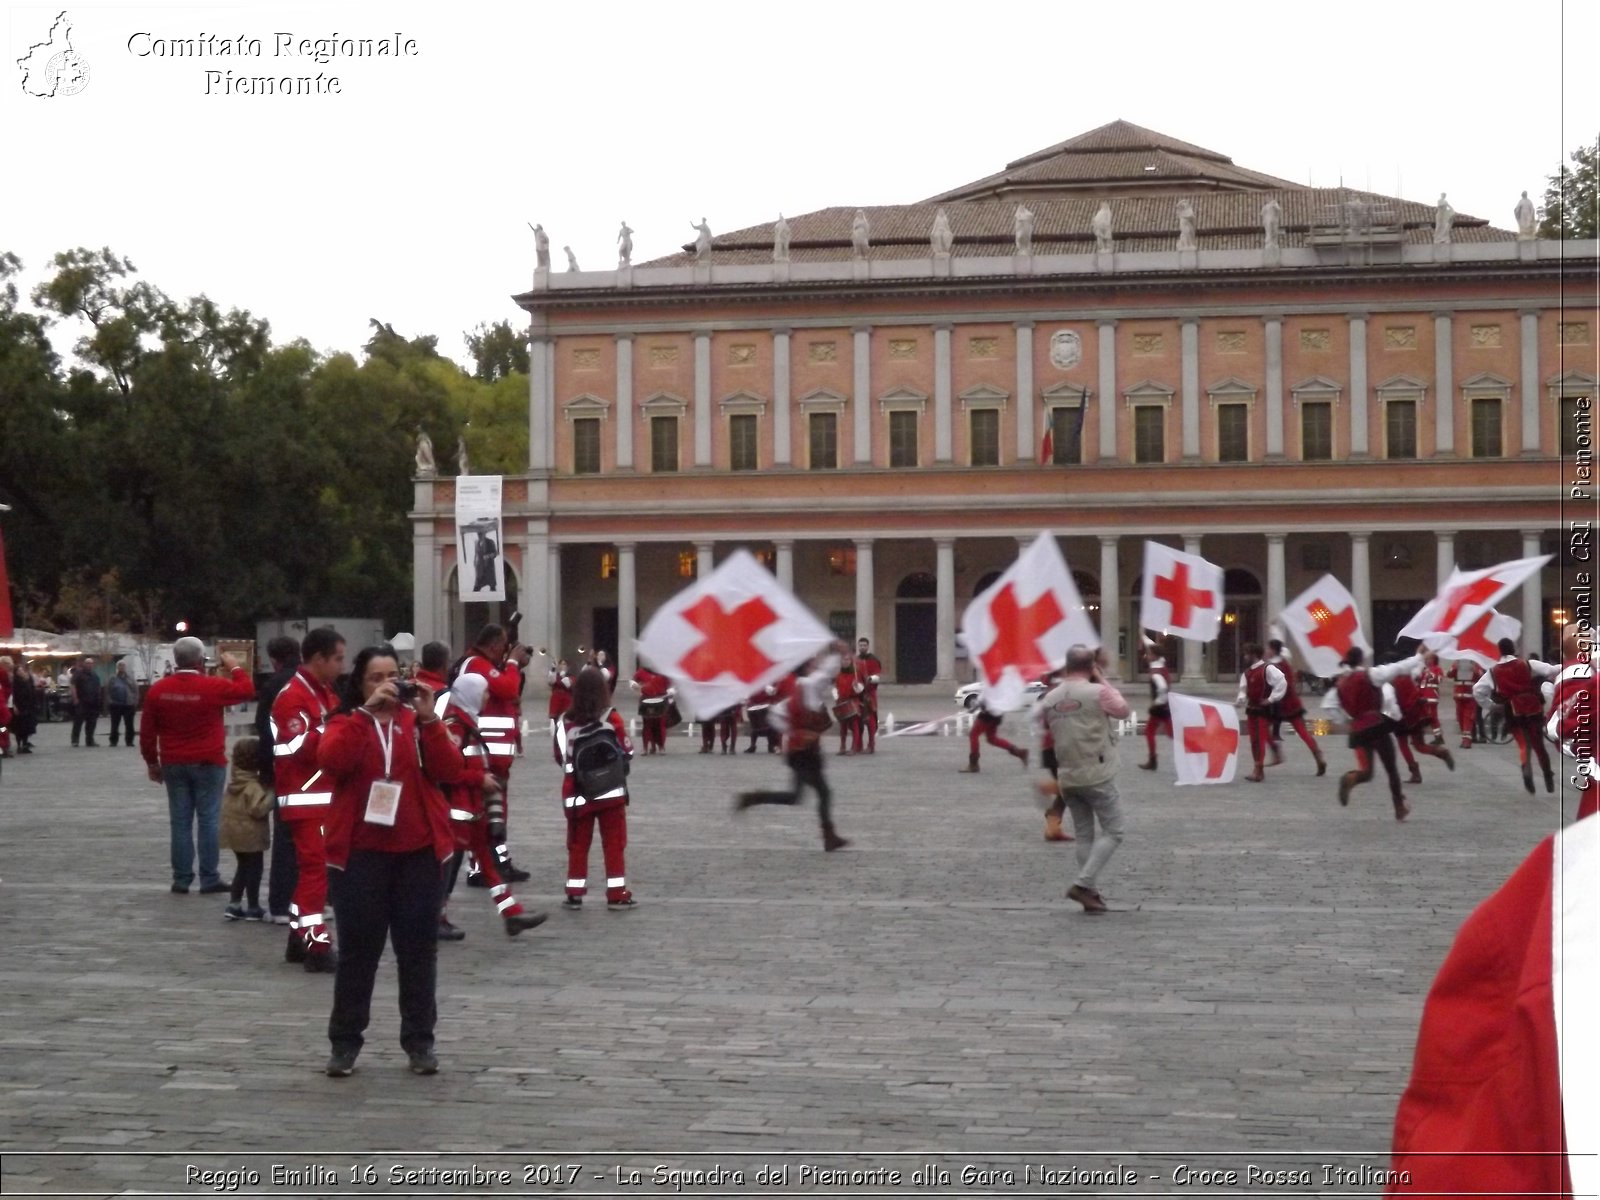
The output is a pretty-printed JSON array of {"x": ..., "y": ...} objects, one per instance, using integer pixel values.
[
  {"x": 916, "y": 628},
  {"x": 467, "y": 619},
  {"x": 1241, "y": 621}
]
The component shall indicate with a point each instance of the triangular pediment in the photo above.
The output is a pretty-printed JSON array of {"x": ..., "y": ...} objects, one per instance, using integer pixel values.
[
  {"x": 1572, "y": 381},
  {"x": 663, "y": 403},
  {"x": 1149, "y": 389},
  {"x": 1317, "y": 383},
  {"x": 1065, "y": 395},
  {"x": 1402, "y": 383},
  {"x": 744, "y": 401},
  {"x": 1486, "y": 381},
  {"x": 984, "y": 395},
  {"x": 1232, "y": 386},
  {"x": 902, "y": 393},
  {"x": 586, "y": 405},
  {"x": 822, "y": 398}
]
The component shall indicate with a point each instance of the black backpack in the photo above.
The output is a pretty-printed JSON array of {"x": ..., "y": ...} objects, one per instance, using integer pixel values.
[{"x": 599, "y": 764}]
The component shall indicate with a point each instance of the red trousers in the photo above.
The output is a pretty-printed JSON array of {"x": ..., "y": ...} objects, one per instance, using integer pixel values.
[
  {"x": 1414, "y": 737},
  {"x": 1298, "y": 724},
  {"x": 473, "y": 837},
  {"x": 1466, "y": 718},
  {"x": 655, "y": 732},
  {"x": 1155, "y": 725},
  {"x": 311, "y": 884},
  {"x": 613, "y": 824},
  {"x": 990, "y": 732},
  {"x": 850, "y": 734},
  {"x": 1260, "y": 727}
]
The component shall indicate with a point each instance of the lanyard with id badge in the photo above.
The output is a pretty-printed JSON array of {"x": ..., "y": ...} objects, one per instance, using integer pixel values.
[{"x": 383, "y": 797}]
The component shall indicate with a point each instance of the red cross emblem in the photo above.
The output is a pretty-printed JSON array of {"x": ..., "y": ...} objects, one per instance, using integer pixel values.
[
  {"x": 1464, "y": 595},
  {"x": 1214, "y": 739},
  {"x": 1175, "y": 590},
  {"x": 729, "y": 644},
  {"x": 1333, "y": 628},
  {"x": 1017, "y": 632},
  {"x": 1475, "y": 637}
]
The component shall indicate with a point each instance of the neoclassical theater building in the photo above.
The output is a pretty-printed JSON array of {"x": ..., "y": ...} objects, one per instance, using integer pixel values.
[{"x": 883, "y": 404}]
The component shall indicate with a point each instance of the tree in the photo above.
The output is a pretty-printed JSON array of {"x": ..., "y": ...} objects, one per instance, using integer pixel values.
[
  {"x": 1571, "y": 207},
  {"x": 497, "y": 351}
]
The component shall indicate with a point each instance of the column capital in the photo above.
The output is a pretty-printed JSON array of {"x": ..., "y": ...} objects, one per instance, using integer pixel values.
[
  {"x": 1445, "y": 535},
  {"x": 701, "y": 333},
  {"x": 864, "y": 543},
  {"x": 1187, "y": 322},
  {"x": 1358, "y": 314},
  {"x": 1443, "y": 314},
  {"x": 1276, "y": 538},
  {"x": 1022, "y": 325},
  {"x": 623, "y": 337},
  {"x": 782, "y": 331},
  {"x": 1272, "y": 318},
  {"x": 701, "y": 545},
  {"x": 942, "y": 327},
  {"x": 625, "y": 547},
  {"x": 1529, "y": 312},
  {"x": 1360, "y": 538},
  {"x": 858, "y": 329},
  {"x": 1110, "y": 539},
  {"x": 1531, "y": 533},
  {"x": 789, "y": 542},
  {"x": 1107, "y": 323},
  {"x": 944, "y": 543}
]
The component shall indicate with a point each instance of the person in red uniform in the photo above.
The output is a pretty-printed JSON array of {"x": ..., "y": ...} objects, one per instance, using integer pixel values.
[
  {"x": 299, "y": 714},
  {"x": 1516, "y": 681},
  {"x": 1411, "y": 729},
  {"x": 433, "y": 667},
  {"x": 1261, "y": 687},
  {"x": 1462, "y": 675},
  {"x": 501, "y": 665},
  {"x": 1574, "y": 712},
  {"x": 1431, "y": 680},
  {"x": 869, "y": 669},
  {"x": 559, "y": 677},
  {"x": 591, "y": 704},
  {"x": 470, "y": 799},
  {"x": 1360, "y": 695},
  {"x": 757, "y": 709},
  {"x": 182, "y": 740},
  {"x": 986, "y": 726},
  {"x": 655, "y": 690},
  {"x": 388, "y": 836},
  {"x": 1160, "y": 720},
  {"x": 1291, "y": 709},
  {"x": 848, "y": 688}
]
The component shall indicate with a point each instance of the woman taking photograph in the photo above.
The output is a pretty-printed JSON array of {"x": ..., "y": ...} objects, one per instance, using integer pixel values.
[{"x": 388, "y": 836}]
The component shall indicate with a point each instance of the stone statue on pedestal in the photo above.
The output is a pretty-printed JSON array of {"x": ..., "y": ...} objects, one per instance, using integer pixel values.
[
  {"x": 1101, "y": 225},
  {"x": 1022, "y": 229},
  {"x": 860, "y": 234},
  {"x": 625, "y": 246},
  {"x": 1442, "y": 218},
  {"x": 572, "y": 259},
  {"x": 1186, "y": 238},
  {"x": 1271, "y": 222},
  {"x": 780, "y": 240},
  {"x": 541, "y": 247},
  {"x": 1527, "y": 220},
  {"x": 702, "y": 243},
  {"x": 462, "y": 467},
  {"x": 426, "y": 467},
  {"x": 941, "y": 238}
]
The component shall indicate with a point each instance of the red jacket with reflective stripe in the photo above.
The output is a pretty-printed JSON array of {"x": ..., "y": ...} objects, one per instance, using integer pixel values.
[
  {"x": 298, "y": 715},
  {"x": 423, "y": 759},
  {"x": 182, "y": 722}
]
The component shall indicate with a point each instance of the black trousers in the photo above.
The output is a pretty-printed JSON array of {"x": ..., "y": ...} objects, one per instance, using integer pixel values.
[
  {"x": 84, "y": 723},
  {"x": 247, "y": 877},
  {"x": 378, "y": 897},
  {"x": 1377, "y": 743},
  {"x": 807, "y": 767},
  {"x": 285, "y": 869},
  {"x": 121, "y": 718}
]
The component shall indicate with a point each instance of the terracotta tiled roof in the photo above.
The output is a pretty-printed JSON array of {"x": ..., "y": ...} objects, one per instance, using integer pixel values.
[
  {"x": 1119, "y": 135},
  {"x": 1223, "y": 220}
]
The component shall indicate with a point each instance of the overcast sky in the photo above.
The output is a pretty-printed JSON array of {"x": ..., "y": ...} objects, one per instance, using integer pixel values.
[{"x": 407, "y": 195}]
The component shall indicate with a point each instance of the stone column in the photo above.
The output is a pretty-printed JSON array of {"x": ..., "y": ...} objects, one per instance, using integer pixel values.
[
  {"x": 1108, "y": 393},
  {"x": 1446, "y": 556},
  {"x": 534, "y": 598},
  {"x": 866, "y": 615},
  {"x": 552, "y": 579},
  {"x": 1444, "y": 374},
  {"x": 705, "y": 560},
  {"x": 627, "y": 611},
  {"x": 1027, "y": 441},
  {"x": 426, "y": 597},
  {"x": 782, "y": 456},
  {"x": 783, "y": 566},
  {"x": 1277, "y": 578},
  {"x": 1274, "y": 330},
  {"x": 1532, "y": 597},
  {"x": 625, "y": 403},
  {"x": 945, "y": 613},
  {"x": 1194, "y": 653},
  {"x": 943, "y": 439},
  {"x": 1191, "y": 389},
  {"x": 1531, "y": 425},
  {"x": 1361, "y": 579},
  {"x": 1111, "y": 603},
  {"x": 861, "y": 402},
  {"x": 702, "y": 399},
  {"x": 1358, "y": 385},
  {"x": 539, "y": 448}
]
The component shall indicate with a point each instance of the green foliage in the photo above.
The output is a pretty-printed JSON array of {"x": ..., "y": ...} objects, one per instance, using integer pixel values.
[
  {"x": 1571, "y": 207},
  {"x": 191, "y": 468}
]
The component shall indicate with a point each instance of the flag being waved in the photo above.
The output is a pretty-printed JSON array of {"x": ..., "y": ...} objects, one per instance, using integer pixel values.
[
  {"x": 1205, "y": 739},
  {"x": 1479, "y": 642},
  {"x": 1182, "y": 594},
  {"x": 730, "y": 635},
  {"x": 1325, "y": 625},
  {"x": 1466, "y": 594},
  {"x": 1019, "y": 628}
]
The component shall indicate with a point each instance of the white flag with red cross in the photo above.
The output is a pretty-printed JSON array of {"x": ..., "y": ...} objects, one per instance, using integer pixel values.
[
  {"x": 1182, "y": 594},
  {"x": 1020, "y": 627},
  {"x": 1466, "y": 594},
  {"x": 729, "y": 635},
  {"x": 1205, "y": 739},
  {"x": 1479, "y": 642},
  {"x": 1325, "y": 625}
]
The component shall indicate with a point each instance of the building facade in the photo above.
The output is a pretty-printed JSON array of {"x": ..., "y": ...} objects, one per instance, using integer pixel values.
[{"x": 1159, "y": 344}]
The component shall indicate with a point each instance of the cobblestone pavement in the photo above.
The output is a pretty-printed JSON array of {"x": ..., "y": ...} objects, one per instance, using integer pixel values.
[{"x": 927, "y": 992}]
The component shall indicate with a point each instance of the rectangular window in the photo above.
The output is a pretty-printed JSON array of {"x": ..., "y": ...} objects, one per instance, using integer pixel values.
[
  {"x": 903, "y": 438},
  {"x": 1316, "y": 431},
  {"x": 1486, "y": 427},
  {"x": 984, "y": 428},
  {"x": 1066, "y": 436},
  {"x": 742, "y": 452},
  {"x": 586, "y": 446},
  {"x": 1400, "y": 428},
  {"x": 1233, "y": 433},
  {"x": 1577, "y": 417},
  {"x": 663, "y": 443},
  {"x": 824, "y": 430},
  {"x": 1149, "y": 433}
]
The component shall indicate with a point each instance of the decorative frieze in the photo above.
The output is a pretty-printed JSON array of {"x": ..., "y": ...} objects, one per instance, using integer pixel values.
[
  {"x": 1400, "y": 337},
  {"x": 1148, "y": 343},
  {"x": 1316, "y": 339},
  {"x": 663, "y": 356},
  {"x": 1485, "y": 337},
  {"x": 586, "y": 360},
  {"x": 902, "y": 347},
  {"x": 1572, "y": 333},
  {"x": 822, "y": 352},
  {"x": 1230, "y": 341},
  {"x": 983, "y": 347},
  {"x": 741, "y": 354}
]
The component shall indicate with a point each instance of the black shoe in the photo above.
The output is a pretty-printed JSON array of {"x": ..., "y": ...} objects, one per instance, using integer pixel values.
[
  {"x": 513, "y": 874},
  {"x": 180, "y": 889},
  {"x": 750, "y": 750},
  {"x": 622, "y": 904},
  {"x": 295, "y": 950},
  {"x": 832, "y": 841},
  {"x": 423, "y": 1062},
  {"x": 340, "y": 1063},
  {"x": 212, "y": 889},
  {"x": 477, "y": 880},
  {"x": 516, "y": 924},
  {"x": 324, "y": 962},
  {"x": 1527, "y": 778},
  {"x": 449, "y": 933},
  {"x": 1549, "y": 781},
  {"x": 572, "y": 903}
]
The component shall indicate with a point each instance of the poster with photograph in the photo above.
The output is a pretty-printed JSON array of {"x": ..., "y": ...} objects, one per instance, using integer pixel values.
[{"x": 480, "y": 548}]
